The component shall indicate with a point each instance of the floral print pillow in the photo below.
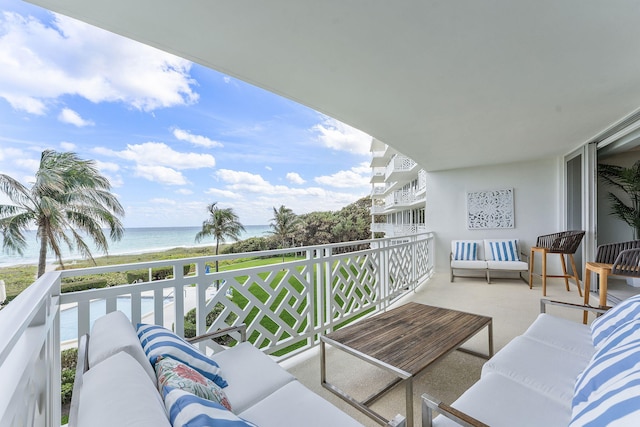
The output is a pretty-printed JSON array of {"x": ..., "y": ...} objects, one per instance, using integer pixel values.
[{"x": 172, "y": 373}]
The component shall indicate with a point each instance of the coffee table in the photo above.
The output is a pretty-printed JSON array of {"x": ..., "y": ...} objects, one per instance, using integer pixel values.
[{"x": 404, "y": 341}]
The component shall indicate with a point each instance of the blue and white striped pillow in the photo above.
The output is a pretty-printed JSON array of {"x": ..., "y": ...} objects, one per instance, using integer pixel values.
[
  {"x": 158, "y": 341},
  {"x": 607, "y": 367},
  {"x": 616, "y": 404},
  {"x": 504, "y": 250},
  {"x": 615, "y": 317},
  {"x": 188, "y": 410},
  {"x": 465, "y": 251}
]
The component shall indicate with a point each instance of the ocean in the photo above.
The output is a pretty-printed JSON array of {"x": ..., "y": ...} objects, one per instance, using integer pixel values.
[{"x": 134, "y": 240}]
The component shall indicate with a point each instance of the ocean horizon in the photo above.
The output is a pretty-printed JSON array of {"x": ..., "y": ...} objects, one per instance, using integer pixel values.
[{"x": 135, "y": 240}]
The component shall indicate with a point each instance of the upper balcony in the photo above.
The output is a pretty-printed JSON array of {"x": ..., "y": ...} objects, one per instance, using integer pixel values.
[
  {"x": 404, "y": 199},
  {"x": 401, "y": 168}
]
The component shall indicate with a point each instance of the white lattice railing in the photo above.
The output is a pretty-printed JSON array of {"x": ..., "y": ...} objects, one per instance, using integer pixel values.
[
  {"x": 286, "y": 306},
  {"x": 399, "y": 163}
]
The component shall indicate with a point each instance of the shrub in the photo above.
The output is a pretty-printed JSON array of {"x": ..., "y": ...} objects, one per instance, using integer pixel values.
[
  {"x": 68, "y": 362},
  {"x": 83, "y": 285}
]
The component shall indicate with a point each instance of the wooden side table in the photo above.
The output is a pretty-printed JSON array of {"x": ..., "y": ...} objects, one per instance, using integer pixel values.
[{"x": 603, "y": 271}]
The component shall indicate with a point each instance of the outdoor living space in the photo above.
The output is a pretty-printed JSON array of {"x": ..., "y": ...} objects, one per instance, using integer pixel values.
[{"x": 511, "y": 304}]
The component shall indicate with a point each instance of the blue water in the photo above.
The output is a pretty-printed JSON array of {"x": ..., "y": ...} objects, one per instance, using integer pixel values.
[
  {"x": 135, "y": 240},
  {"x": 97, "y": 308}
]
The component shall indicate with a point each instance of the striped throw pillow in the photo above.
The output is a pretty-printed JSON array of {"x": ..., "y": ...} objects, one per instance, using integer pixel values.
[
  {"x": 465, "y": 251},
  {"x": 504, "y": 250},
  {"x": 188, "y": 410},
  {"x": 615, "y": 317},
  {"x": 608, "y": 366},
  {"x": 158, "y": 341},
  {"x": 616, "y": 403}
]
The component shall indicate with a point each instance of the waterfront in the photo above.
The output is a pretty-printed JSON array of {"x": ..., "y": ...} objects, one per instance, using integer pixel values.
[{"x": 134, "y": 240}]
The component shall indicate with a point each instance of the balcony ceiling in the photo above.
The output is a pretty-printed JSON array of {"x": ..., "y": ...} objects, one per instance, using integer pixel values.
[{"x": 449, "y": 83}]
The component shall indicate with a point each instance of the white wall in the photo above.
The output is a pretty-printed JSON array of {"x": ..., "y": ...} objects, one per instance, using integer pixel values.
[{"x": 537, "y": 203}]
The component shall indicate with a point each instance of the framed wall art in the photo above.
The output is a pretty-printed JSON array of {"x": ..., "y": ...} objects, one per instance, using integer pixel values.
[{"x": 490, "y": 209}]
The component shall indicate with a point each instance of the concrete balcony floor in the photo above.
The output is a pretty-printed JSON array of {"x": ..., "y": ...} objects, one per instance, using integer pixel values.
[{"x": 511, "y": 304}]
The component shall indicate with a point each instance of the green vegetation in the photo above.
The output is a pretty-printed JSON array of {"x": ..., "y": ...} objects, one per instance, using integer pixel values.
[{"x": 69, "y": 202}]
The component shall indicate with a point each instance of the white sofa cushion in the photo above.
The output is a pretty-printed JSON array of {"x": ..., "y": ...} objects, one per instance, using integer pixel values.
[
  {"x": 188, "y": 410},
  {"x": 544, "y": 368},
  {"x": 469, "y": 265},
  {"x": 116, "y": 392},
  {"x": 295, "y": 405},
  {"x": 499, "y": 401},
  {"x": 251, "y": 375},
  {"x": 508, "y": 265},
  {"x": 113, "y": 333},
  {"x": 501, "y": 250},
  {"x": 563, "y": 333},
  {"x": 480, "y": 254}
]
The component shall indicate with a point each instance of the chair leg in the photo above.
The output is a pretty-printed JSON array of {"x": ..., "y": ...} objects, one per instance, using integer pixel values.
[
  {"x": 575, "y": 273},
  {"x": 544, "y": 273},
  {"x": 564, "y": 271},
  {"x": 531, "y": 259}
]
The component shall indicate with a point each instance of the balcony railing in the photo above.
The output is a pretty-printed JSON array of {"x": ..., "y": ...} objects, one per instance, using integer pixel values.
[
  {"x": 398, "y": 230},
  {"x": 403, "y": 198},
  {"x": 286, "y": 307},
  {"x": 399, "y": 163}
]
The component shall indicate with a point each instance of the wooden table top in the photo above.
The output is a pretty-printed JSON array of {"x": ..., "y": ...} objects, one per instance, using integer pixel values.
[{"x": 412, "y": 336}]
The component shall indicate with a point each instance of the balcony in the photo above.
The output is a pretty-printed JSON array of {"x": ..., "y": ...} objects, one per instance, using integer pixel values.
[
  {"x": 400, "y": 168},
  {"x": 405, "y": 199},
  {"x": 324, "y": 287},
  {"x": 396, "y": 230}
]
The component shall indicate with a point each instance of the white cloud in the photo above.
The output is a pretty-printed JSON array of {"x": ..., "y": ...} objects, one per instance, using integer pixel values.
[
  {"x": 339, "y": 136},
  {"x": 202, "y": 141},
  {"x": 223, "y": 193},
  {"x": 163, "y": 201},
  {"x": 269, "y": 168},
  {"x": 158, "y": 153},
  {"x": 68, "y": 146},
  {"x": 295, "y": 178},
  {"x": 71, "y": 117},
  {"x": 161, "y": 174},
  {"x": 356, "y": 177},
  {"x": 40, "y": 63},
  {"x": 107, "y": 166},
  {"x": 184, "y": 191},
  {"x": 158, "y": 162},
  {"x": 343, "y": 179}
]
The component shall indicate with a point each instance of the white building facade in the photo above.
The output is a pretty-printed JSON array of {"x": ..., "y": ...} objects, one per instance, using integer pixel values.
[{"x": 398, "y": 193}]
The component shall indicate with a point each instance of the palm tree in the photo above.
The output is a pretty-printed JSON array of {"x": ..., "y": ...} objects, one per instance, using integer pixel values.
[
  {"x": 222, "y": 224},
  {"x": 69, "y": 201},
  {"x": 626, "y": 180},
  {"x": 284, "y": 224}
]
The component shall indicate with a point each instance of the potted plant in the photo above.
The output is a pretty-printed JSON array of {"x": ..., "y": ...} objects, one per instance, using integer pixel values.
[
  {"x": 625, "y": 202},
  {"x": 627, "y": 181}
]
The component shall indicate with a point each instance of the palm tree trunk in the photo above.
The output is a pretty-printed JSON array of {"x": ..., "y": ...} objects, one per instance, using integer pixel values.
[
  {"x": 217, "y": 281},
  {"x": 42, "y": 257}
]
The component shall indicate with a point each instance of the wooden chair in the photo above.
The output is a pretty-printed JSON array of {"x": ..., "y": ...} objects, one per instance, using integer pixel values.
[
  {"x": 562, "y": 243},
  {"x": 613, "y": 259}
]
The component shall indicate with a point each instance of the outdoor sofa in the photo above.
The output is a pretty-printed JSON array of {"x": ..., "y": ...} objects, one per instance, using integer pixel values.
[
  {"x": 116, "y": 385},
  {"x": 558, "y": 373},
  {"x": 486, "y": 256}
]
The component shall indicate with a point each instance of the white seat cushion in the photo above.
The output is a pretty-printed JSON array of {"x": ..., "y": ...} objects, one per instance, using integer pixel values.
[
  {"x": 295, "y": 405},
  {"x": 113, "y": 333},
  {"x": 549, "y": 370},
  {"x": 475, "y": 265},
  {"x": 116, "y": 392},
  {"x": 508, "y": 265},
  {"x": 251, "y": 375},
  {"x": 501, "y": 402},
  {"x": 563, "y": 333}
]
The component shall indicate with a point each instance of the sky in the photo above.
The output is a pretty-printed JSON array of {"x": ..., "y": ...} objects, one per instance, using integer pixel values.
[{"x": 171, "y": 136}]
